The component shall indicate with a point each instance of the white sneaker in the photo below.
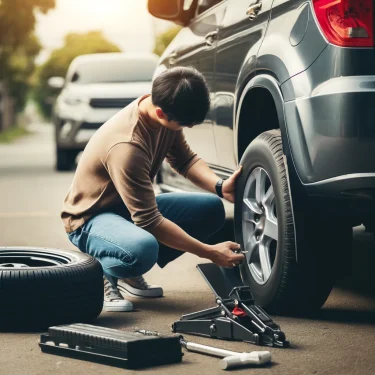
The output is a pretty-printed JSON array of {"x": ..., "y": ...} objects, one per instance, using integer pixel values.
[
  {"x": 113, "y": 300},
  {"x": 138, "y": 287}
]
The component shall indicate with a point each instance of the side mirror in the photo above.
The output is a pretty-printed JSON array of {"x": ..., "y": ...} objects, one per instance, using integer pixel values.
[
  {"x": 171, "y": 10},
  {"x": 56, "y": 82}
]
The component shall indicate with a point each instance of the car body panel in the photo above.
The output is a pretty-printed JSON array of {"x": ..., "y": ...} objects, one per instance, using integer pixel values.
[
  {"x": 323, "y": 96},
  {"x": 271, "y": 85},
  {"x": 329, "y": 111},
  {"x": 190, "y": 48},
  {"x": 285, "y": 52},
  {"x": 333, "y": 62},
  {"x": 239, "y": 41}
]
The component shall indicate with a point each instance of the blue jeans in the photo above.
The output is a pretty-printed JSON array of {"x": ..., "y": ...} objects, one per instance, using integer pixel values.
[{"x": 125, "y": 250}]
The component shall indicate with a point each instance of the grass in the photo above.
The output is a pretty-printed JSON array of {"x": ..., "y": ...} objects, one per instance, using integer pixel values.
[{"x": 12, "y": 133}]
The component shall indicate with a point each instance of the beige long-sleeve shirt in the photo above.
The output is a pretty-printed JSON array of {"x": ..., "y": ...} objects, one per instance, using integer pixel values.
[{"x": 118, "y": 165}]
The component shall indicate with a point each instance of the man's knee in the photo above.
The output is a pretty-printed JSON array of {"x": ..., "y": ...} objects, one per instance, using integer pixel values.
[
  {"x": 214, "y": 211},
  {"x": 145, "y": 253},
  {"x": 133, "y": 258}
]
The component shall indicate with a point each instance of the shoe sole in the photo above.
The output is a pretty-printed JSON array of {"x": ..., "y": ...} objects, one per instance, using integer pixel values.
[
  {"x": 117, "y": 308},
  {"x": 114, "y": 309},
  {"x": 132, "y": 292}
]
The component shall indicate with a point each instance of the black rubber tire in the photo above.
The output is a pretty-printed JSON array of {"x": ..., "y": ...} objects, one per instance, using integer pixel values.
[
  {"x": 65, "y": 159},
  {"x": 294, "y": 286},
  {"x": 44, "y": 294}
]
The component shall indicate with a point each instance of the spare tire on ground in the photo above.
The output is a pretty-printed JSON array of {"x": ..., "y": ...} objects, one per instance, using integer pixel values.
[{"x": 41, "y": 287}]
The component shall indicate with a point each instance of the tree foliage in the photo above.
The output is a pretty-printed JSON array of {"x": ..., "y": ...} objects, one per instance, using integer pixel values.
[
  {"x": 18, "y": 44},
  {"x": 17, "y": 20},
  {"x": 20, "y": 67},
  {"x": 164, "y": 39},
  {"x": 60, "y": 59}
]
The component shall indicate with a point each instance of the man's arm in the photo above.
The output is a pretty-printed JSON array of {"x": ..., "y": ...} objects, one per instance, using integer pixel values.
[
  {"x": 183, "y": 160},
  {"x": 172, "y": 235},
  {"x": 128, "y": 167},
  {"x": 180, "y": 156},
  {"x": 201, "y": 175}
]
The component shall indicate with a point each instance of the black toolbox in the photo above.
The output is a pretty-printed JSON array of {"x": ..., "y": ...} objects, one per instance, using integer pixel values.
[{"x": 110, "y": 346}]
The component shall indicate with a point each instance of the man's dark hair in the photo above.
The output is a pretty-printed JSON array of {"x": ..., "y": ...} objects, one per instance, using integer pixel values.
[{"x": 183, "y": 95}]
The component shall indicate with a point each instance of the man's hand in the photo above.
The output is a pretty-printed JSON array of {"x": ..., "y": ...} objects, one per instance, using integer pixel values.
[
  {"x": 222, "y": 254},
  {"x": 229, "y": 185}
]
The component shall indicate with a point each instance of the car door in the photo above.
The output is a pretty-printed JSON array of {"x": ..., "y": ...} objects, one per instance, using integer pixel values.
[
  {"x": 195, "y": 46},
  {"x": 239, "y": 39}
]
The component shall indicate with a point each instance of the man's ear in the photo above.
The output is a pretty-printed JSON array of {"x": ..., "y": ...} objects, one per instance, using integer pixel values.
[{"x": 160, "y": 113}]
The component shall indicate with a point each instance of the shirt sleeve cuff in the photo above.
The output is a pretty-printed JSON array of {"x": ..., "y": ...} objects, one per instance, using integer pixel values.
[{"x": 152, "y": 224}]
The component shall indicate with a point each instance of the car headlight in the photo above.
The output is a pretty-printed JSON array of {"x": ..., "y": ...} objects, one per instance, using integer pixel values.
[{"x": 75, "y": 100}]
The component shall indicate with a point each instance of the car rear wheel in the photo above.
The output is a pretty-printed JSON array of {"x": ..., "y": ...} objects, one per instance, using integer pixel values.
[
  {"x": 65, "y": 159},
  {"x": 264, "y": 226}
]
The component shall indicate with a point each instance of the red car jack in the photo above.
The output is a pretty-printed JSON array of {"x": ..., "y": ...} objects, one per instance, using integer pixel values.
[{"x": 236, "y": 317}]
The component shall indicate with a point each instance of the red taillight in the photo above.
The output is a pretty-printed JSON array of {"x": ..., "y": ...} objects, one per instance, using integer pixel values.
[{"x": 346, "y": 23}]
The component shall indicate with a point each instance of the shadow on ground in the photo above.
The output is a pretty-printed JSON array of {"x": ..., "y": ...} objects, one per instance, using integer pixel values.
[
  {"x": 346, "y": 315},
  {"x": 361, "y": 280}
]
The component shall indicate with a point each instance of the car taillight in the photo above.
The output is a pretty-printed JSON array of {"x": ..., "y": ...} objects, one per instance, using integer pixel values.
[{"x": 346, "y": 23}]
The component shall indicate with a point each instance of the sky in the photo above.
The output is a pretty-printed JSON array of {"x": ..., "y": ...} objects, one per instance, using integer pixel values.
[{"x": 124, "y": 22}]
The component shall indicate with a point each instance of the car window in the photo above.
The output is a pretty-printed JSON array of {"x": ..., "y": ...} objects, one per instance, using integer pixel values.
[
  {"x": 122, "y": 70},
  {"x": 204, "y": 5}
]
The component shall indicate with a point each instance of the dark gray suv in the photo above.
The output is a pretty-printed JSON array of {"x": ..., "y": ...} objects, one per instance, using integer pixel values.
[{"x": 293, "y": 102}]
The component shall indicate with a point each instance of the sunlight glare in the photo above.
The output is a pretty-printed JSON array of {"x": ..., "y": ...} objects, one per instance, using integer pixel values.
[{"x": 98, "y": 10}]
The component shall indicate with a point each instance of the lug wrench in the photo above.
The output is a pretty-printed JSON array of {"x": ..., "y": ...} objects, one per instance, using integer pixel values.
[{"x": 230, "y": 359}]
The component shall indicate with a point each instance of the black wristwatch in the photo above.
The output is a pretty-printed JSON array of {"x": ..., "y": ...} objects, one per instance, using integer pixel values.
[{"x": 219, "y": 188}]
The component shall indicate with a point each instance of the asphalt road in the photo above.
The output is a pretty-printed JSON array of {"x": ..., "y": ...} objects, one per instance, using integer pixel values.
[{"x": 340, "y": 340}]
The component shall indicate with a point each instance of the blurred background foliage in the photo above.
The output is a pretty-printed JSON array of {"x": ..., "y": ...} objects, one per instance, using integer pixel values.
[
  {"x": 163, "y": 39},
  {"x": 58, "y": 63},
  {"x": 18, "y": 45}
]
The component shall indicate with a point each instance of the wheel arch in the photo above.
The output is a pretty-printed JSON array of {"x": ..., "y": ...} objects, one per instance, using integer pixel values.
[
  {"x": 266, "y": 87},
  {"x": 260, "y": 91}
]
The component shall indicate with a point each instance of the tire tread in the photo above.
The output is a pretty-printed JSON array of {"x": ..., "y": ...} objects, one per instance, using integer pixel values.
[
  {"x": 38, "y": 298},
  {"x": 302, "y": 286}
]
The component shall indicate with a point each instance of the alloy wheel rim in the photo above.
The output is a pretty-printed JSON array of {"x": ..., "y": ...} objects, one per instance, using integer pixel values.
[{"x": 259, "y": 225}]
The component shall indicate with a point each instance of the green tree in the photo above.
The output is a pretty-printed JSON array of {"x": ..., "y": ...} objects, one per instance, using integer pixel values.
[
  {"x": 20, "y": 66},
  {"x": 17, "y": 20},
  {"x": 164, "y": 39},
  {"x": 18, "y": 44},
  {"x": 60, "y": 59}
]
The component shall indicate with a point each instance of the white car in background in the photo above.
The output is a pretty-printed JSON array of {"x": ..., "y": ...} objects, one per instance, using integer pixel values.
[{"x": 95, "y": 88}]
